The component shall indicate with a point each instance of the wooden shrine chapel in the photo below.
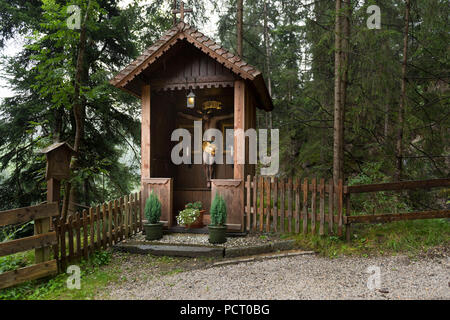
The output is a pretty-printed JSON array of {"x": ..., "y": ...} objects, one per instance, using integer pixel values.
[{"x": 184, "y": 66}]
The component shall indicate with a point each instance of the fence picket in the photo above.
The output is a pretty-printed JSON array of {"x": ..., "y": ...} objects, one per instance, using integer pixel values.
[
  {"x": 261, "y": 204},
  {"x": 70, "y": 229},
  {"x": 85, "y": 235},
  {"x": 282, "y": 200},
  {"x": 305, "y": 206},
  {"x": 275, "y": 204},
  {"x": 322, "y": 207},
  {"x": 269, "y": 206},
  {"x": 289, "y": 194},
  {"x": 255, "y": 202},
  {"x": 297, "y": 190},
  {"x": 313, "y": 205},
  {"x": 331, "y": 206}
]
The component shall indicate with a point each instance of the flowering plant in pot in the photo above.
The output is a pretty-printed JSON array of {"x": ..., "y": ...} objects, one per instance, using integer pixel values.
[
  {"x": 217, "y": 228},
  {"x": 188, "y": 216},
  {"x": 152, "y": 211},
  {"x": 198, "y": 223}
]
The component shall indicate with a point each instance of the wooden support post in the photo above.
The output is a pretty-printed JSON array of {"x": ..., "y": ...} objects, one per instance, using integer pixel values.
[
  {"x": 348, "y": 225},
  {"x": 45, "y": 225},
  {"x": 239, "y": 124}
]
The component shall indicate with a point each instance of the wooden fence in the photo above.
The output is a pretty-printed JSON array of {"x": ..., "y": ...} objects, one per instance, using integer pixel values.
[
  {"x": 41, "y": 242},
  {"x": 285, "y": 205},
  {"x": 97, "y": 229},
  {"x": 319, "y": 206},
  {"x": 389, "y": 217}
]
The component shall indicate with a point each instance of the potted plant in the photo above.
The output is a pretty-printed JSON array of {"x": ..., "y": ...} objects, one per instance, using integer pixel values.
[
  {"x": 188, "y": 216},
  {"x": 152, "y": 211},
  {"x": 198, "y": 223},
  {"x": 217, "y": 228}
]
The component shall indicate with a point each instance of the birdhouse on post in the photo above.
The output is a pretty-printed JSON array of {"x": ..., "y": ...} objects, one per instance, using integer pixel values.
[{"x": 58, "y": 160}]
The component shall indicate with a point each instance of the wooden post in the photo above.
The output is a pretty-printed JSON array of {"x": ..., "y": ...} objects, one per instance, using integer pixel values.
[
  {"x": 44, "y": 225},
  {"x": 239, "y": 124},
  {"x": 331, "y": 206},
  {"x": 282, "y": 204},
  {"x": 348, "y": 225},
  {"x": 255, "y": 202},
  {"x": 297, "y": 190},
  {"x": 313, "y": 205},
  {"x": 275, "y": 205},
  {"x": 249, "y": 206},
  {"x": 305, "y": 206},
  {"x": 145, "y": 140},
  {"x": 322, "y": 207}
]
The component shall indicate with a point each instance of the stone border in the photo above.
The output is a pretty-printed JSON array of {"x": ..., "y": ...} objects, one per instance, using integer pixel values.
[{"x": 196, "y": 251}]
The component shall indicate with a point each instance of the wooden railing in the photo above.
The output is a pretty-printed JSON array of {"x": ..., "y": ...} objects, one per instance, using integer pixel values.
[
  {"x": 319, "y": 207},
  {"x": 390, "y": 217},
  {"x": 97, "y": 229},
  {"x": 41, "y": 242}
]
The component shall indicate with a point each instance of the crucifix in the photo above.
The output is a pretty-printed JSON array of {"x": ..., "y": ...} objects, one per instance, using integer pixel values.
[{"x": 181, "y": 11}]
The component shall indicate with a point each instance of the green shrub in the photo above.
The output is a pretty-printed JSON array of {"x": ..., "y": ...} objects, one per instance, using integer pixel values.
[
  {"x": 152, "y": 209},
  {"x": 218, "y": 211}
]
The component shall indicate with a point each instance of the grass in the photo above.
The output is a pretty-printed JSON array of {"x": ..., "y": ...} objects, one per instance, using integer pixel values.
[
  {"x": 92, "y": 279},
  {"x": 407, "y": 237}
]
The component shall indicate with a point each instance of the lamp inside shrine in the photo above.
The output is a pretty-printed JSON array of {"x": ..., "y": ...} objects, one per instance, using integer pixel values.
[{"x": 191, "y": 100}]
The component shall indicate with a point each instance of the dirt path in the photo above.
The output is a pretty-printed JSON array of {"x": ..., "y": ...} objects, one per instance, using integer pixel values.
[{"x": 301, "y": 277}]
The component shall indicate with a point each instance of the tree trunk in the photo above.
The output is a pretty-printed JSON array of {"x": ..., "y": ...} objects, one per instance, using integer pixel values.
[
  {"x": 267, "y": 45},
  {"x": 239, "y": 28},
  {"x": 78, "y": 112},
  {"x": 337, "y": 130},
  {"x": 401, "y": 111}
]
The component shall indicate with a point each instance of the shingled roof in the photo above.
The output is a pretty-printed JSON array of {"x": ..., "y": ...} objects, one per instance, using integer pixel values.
[{"x": 183, "y": 31}]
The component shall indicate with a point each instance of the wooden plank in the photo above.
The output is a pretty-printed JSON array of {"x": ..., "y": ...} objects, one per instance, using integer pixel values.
[
  {"x": 402, "y": 185},
  {"x": 282, "y": 204},
  {"x": 28, "y": 243},
  {"x": 330, "y": 206},
  {"x": 110, "y": 217},
  {"x": 340, "y": 194},
  {"x": 78, "y": 235},
  {"x": 125, "y": 217},
  {"x": 70, "y": 232},
  {"x": 289, "y": 194},
  {"x": 22, "y": 215},
  {"x": 116, "y": 221},
  {"x": 37, "y": 271},
  {"x": 261, "y": 204},
  {"x": 255, "y": 202},
  {"x": 275, "y": 204},
  {"x": 440, "y": 214},
  {"x": 85, "y": 235},
  {"x": 347, "y": 214},
  {"x": 141, "y": 223},
  {"x": 104, "y": 227},
  {"x": 98, "y": 224},
  {"x": 313, "y": 206},
  {"x": 269, "y": 205},
  {"x": 322, "y": 207},
  {"x": 62, "y": 239},
  {"x": 297, "y": 190},
  {"x": 145, "y": 131},
  {"x": 56, "y": 248},
  {"x": 92, "y": 229},
  {"x": 305, "y": 206},
  {"x": 249, "y": 206}
]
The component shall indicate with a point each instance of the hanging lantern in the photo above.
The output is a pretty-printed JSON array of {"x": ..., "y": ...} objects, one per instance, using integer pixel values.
[{"x": 191, "y": 100}]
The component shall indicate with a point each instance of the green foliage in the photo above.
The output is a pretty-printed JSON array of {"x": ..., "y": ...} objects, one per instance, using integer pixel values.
[
  {"x": 406, "y": 237},
  {"x": 188, "y": 216},
  {"x": 56, "y": 287},
  {"x": 218, "y": 211},
  {"x": 152, "y": 209},
  {"x": 195, "y": 205}
]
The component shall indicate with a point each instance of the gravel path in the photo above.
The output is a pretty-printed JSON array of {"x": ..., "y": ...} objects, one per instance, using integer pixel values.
[{"x": 301, "y": 277}]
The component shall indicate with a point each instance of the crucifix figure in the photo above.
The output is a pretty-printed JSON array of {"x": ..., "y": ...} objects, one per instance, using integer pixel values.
[
  {"x": 181, "y": 11},
  {"x": 209, "y": 149}
]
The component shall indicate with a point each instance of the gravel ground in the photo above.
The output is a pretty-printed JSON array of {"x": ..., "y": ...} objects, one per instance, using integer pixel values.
[
  {"x": 300, "y": 277},
  {"x": 202, "y": 240}
]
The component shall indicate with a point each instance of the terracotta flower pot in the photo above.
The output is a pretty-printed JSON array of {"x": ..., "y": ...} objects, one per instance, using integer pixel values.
[{"x": 198, "y": 223}]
